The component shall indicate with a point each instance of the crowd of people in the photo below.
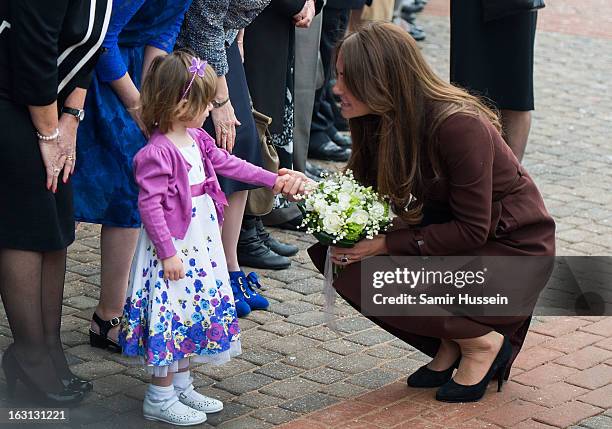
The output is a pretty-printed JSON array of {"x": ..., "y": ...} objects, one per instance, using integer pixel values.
[{"x": 138, "y": 115}]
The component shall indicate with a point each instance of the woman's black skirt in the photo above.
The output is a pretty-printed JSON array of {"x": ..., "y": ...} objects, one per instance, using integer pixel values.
[{"x": 493, "y": 59}]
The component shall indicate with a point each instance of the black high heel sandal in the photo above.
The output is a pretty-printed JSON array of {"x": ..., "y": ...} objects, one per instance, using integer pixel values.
[
  {"x": 101, "y": 340},
  {"x": 425, "y": 377},
  {"x": 455, "y": 392},
  {"x": 13, "y": 372}
]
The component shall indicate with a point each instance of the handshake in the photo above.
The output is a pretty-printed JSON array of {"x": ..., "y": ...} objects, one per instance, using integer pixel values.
[{"x": 292, "y": 183}]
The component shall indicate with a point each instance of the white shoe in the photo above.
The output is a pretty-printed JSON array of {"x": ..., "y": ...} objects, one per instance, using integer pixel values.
[
  {"x": 199, "y": 402},
  {"x": 172, "y": 411}
]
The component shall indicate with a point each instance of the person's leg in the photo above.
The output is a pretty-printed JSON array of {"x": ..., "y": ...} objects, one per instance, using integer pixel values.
[
  {"x": 21, "y": 291},
  {"x": 447, "y": 354},
  {"x": 477, "y": 355},
  {"x": 231, "y": 228},
  {"x": 516, "y": 126},
  {"x": 117, "y": 246}
]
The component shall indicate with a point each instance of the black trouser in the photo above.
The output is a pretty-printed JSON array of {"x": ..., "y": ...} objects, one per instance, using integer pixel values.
[{"x": 335, "y": 22}]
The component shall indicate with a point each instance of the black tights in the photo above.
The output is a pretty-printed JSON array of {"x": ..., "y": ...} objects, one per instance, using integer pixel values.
[{"x": 32, "y": 287}]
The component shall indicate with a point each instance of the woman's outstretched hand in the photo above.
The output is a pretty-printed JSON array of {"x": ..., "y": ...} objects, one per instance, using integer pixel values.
[
  {"x": 292, "y": 183},
  {"x": 363, "y": 249}
]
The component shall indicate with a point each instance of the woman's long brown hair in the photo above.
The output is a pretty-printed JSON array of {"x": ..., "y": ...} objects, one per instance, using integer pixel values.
[{"x": 384, "y": 68}]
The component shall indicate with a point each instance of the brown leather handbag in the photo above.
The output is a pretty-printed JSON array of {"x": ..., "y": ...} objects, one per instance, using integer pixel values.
[
  {"x": 496, "y": 9},
  {"x": 261, "y": 201}
]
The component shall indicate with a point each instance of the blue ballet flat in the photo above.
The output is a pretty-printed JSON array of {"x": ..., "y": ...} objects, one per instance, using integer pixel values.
[
  {"x": 240, "y": 290},
  {"x": 255, "y": 300}
]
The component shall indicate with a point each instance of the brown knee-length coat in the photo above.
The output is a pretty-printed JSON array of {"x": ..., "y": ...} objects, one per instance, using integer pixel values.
[{"x": 485, "y": 204}]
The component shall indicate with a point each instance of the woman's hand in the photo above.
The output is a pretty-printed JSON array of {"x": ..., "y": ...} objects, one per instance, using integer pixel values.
[
  {"x": 135, "y": 114},
  {"x": 173, "y": 268},
  {"x": 68, "y": 130},
  {"x": 300, "y": 183},
  {"x": 303, "y": 19},
  {"x": 224, "y": 117},
  {"x": 363, "y": 249},
  {"x": 53, "y": 160}
]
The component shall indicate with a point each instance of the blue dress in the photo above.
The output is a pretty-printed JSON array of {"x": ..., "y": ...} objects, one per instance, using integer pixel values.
[{"x": 104, "y": 187}]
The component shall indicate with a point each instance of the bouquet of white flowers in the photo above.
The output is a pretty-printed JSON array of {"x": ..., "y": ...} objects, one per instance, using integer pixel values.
[{"x": 340, "y": 212}]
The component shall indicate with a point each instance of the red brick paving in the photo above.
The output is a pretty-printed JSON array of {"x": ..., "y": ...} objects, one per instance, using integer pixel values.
[{"x": 559, "y": 387}]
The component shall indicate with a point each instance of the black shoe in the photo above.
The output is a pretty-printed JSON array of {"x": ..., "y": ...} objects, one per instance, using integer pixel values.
[
  {"x": 271, "y": 243},
  {"x": 76, "y": 384},
  {"x": 101, "y": 340},
  {"x": 330, "y": 151},
  {"x": 253, "y": 252},
  {"x": 425, "y": 377},
  {"x": 313, "y": 172},
  {"x": 342, "y": 140},
  {"x": 13, "y": 372},
  {"x": 455, "y": 392}
]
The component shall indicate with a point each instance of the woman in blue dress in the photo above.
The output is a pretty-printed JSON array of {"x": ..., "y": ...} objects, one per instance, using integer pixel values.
[{"x": 111, "y": 133}]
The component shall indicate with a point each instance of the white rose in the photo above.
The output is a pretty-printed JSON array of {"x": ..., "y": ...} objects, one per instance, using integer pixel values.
[
  {"x": 319, "y": 205},
  {"x": 377, "y": 210},
  {"x": 347, "y": 187},
  {"x": 332, "y": 223},
  {"x": 360, "y": 217},
  {"x": 344, "y": 201}
]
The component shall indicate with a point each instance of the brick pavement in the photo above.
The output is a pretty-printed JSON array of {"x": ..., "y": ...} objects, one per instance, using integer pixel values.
[{"x": 294, "y": 369}]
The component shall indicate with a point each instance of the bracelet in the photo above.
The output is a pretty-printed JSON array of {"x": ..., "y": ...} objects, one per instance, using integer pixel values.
[
  {"x": 53, "y": 136},
  {"x": 216, "y": 104}
]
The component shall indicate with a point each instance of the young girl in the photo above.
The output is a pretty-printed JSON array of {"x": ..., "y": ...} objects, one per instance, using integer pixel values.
[{"x": 179, "y": 306}]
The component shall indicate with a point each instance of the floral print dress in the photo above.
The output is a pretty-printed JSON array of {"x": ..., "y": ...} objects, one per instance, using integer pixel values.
[{"x": 192, "y": 318}]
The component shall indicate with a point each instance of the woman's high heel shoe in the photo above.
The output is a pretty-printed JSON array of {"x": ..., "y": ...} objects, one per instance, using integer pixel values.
[
  {"x": 77, "y": 384},
  {"x": 455, "y": 392},
  {"x": 101, "y": 340},
  {"x": 13, "y": 371},
  {"x": 425, "y": 377}
]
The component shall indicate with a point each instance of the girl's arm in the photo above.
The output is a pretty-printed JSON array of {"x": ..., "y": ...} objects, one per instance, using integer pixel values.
[{"x": 152, "y": 171}]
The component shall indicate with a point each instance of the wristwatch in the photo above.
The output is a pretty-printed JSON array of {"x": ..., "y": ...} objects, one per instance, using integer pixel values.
[
  {"x": 77, "y": 113},
  {"x": 216, "y": 104}
]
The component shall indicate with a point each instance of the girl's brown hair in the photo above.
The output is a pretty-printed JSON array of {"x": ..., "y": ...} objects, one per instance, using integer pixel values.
[
  {"x": 384, "y": 68},
  {"x": 163, "y": 87}
]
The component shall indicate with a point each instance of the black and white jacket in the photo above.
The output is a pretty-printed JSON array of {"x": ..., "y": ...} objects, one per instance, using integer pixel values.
[{"x": 49, "y": 47}]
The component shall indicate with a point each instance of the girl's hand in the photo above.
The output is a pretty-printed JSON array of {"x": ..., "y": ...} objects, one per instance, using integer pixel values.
[
  {"x": 363, "y": 249},
  {"x": 304, "y": 17},
  {"x": 173, "y": 268},
  {"x": 68, "y": 130}
]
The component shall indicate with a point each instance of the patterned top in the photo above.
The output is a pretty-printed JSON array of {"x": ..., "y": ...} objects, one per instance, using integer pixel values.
[{"x": 211, "y": 25}]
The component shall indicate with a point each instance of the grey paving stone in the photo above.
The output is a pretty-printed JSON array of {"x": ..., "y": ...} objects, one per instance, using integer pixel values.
[
  {"x": 121, "y": 403},
  {"x": 309, "y": 403},
  {"x": 89, "y": 413},
  {"x": 258, "y": 400},
  {"x": 354, "y": 324},
  {"x": 260, "y": 356},
  {"x": 343, "y": 390},
  {"x": 86, "y": 352},
  {"x": 279, "y": 371},
  {"x": 261, "y": 317},
  {"x": 354, "y": 364},
  {"x": 374, "y": 378},
  {"x": 292, "y": 388},
  {"x": 311, "y": 358},
  {"x": 231, "y": 410},
  {"x": 257, "y": 337},
  {"x": 275, "y": 415},
  {"x": 282, "y": 328},
  {"x": 290, "y": 344},
  {"x": 245, "y": 423},
  {"x": 227, "y": 370},
  {"x": 385, "y": 351},
  {"x": 113, "y": 384},
  {"x": 81, "y": 302},
  {"x": 370, "y": 337},
  {"x": 306, "y": 286},
  {"x": 308, "y": 319},
  {"x": 245, "y": 382},
  {"x": 597, "y": 422},
  {"x": 96, "y": 369},
  {"x": 73, "y": 338},
  {"x": 292, "y": 275},
  {"x": 342, "y": 347},
  {"x": 291, "y": 307},
  {"x": 324, "y": 375},
  {"x": 404, "y": 365},
  {"x": 282, "y": 294},
  {"x": 321, "y": 333}
]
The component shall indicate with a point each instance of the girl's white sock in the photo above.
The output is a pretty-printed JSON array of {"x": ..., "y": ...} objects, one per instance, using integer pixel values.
[
  {"x": 182, "y": 380},
  {"x": 160, "y": 393}
]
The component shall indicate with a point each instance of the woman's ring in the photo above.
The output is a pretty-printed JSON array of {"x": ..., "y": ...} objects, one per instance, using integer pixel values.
[
  {"x": 344, "y": 259},
  {"x": 56, "y": 170},
  {"x": 70, "y": 157}
]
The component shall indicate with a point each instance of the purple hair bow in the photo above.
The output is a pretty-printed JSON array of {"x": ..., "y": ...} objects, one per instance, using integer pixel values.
[{"x": 197, "y": 68}]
